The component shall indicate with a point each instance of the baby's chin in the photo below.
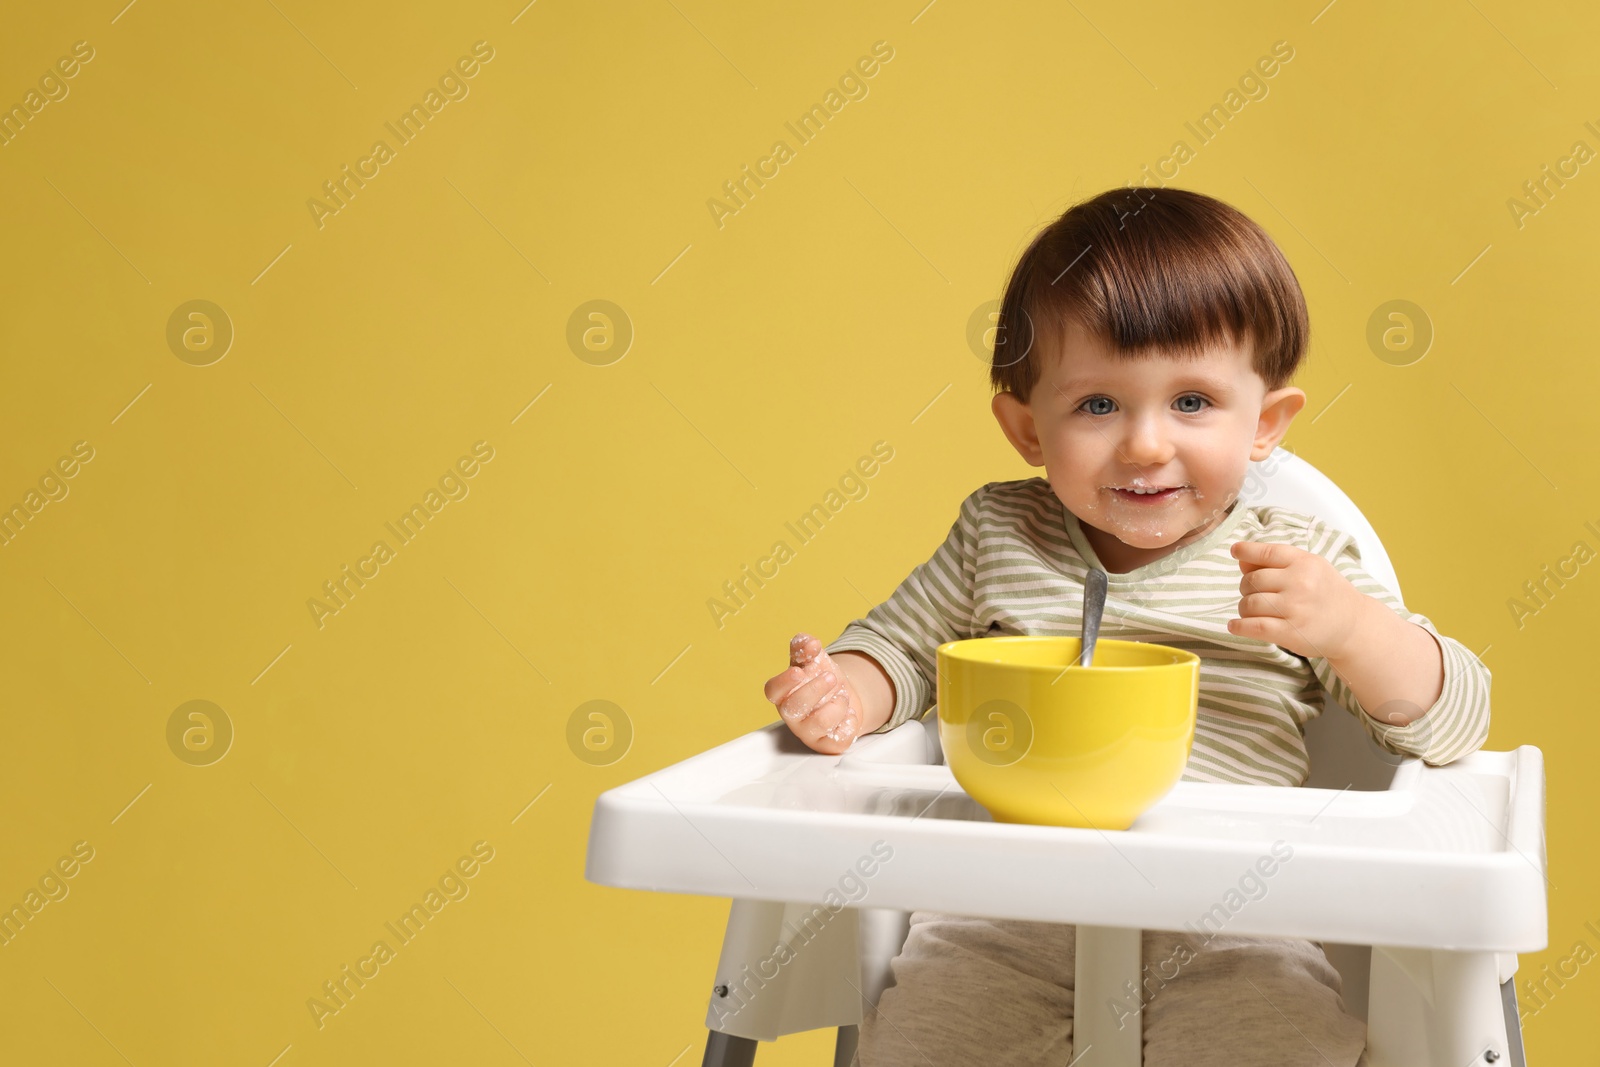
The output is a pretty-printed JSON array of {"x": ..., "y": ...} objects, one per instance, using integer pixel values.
[{"x": 1147, "y": 530}]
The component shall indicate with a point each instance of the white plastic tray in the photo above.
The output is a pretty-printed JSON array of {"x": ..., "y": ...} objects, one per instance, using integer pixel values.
[{"x": 1446, "y": 858}]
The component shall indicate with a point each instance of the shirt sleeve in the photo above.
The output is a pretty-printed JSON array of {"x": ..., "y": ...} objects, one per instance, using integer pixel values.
[
  {"x": 934, "y": 604},
  {"x": 1458, "y": 722}
]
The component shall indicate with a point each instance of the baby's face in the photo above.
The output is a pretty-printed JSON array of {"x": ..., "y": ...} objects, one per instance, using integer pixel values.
[{"x": 1102, "y": 427}]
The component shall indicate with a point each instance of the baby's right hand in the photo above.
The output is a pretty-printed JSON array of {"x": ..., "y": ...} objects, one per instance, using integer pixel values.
[{"x": 823, "y": 711}]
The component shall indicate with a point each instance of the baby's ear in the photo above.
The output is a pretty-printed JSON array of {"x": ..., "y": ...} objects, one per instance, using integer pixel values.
[
  {"x": 1016, "y": 422},
  {"x": 1278, "y": 409}
]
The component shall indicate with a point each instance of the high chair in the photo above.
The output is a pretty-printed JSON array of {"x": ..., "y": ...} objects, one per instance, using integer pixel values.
[{"x": 1422, "y": 884}]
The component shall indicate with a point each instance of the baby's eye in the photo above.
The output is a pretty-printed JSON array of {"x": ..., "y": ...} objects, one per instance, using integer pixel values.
[{"x": 1182, "y": 399}]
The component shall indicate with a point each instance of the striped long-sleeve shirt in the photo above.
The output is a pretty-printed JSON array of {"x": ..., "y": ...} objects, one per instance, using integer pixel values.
[{"x": 1015, "y": 562}]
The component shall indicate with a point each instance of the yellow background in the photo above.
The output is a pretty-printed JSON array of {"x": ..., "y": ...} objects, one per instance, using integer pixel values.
[{"x": 768, "y": 355}]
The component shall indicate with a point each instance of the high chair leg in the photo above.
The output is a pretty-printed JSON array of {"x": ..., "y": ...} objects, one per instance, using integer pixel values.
[
  {"x": 786, "y": 968},
  {"x": 1508, "y": 1003},
  {"x": 1435, "y": 1009},
  {"x": 725, "y": 1050},
  {"x": 1108, "y": 961},
  {"x": 844, "y": 1048}
]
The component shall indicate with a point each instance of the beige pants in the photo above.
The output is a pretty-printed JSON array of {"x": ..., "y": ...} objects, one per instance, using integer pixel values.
[{"x": 1000, "y": 991}]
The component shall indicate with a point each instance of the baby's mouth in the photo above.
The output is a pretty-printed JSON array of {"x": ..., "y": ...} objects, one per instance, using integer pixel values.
[{"x": 1148, "y": 498}]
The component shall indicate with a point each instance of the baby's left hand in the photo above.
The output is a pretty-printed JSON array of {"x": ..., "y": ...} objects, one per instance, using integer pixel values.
[{"x": 1296, "y": 599}]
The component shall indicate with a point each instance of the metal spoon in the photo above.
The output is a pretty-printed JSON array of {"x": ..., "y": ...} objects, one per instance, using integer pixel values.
[{"x": 1094, "y": 605}]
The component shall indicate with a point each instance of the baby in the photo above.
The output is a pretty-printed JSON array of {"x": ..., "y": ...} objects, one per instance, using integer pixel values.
[{"x": 1145, "y": 344}]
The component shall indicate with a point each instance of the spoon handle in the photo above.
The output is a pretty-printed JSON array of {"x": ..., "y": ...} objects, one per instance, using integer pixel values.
[{"x": 1094, "y": 606}]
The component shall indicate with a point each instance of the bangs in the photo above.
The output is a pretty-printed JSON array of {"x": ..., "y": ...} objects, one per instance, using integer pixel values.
[{"x": 1152, "y": 272}]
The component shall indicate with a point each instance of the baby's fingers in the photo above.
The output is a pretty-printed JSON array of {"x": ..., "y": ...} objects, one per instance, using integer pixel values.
[
  {"x": 782, "y": 685},
  {"x": 802, "y": 648},
  {"x": 831, "y": 726},
  {"x": 843, "y": 728},
  {"x": 805, "y": 650},
  {"x": 808, "y": 696},
  {"x": 806, "y": 661}
]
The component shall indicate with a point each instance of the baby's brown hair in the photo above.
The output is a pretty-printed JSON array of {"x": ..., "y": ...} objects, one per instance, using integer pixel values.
[{"x": 1151, "y": 271}]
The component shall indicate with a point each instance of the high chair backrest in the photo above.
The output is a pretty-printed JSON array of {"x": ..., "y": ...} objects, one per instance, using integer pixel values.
[{"x": 1341, "y": 751}]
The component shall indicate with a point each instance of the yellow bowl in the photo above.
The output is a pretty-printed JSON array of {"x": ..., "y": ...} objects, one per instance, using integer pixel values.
[{"x": 1035, "y": 738}]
